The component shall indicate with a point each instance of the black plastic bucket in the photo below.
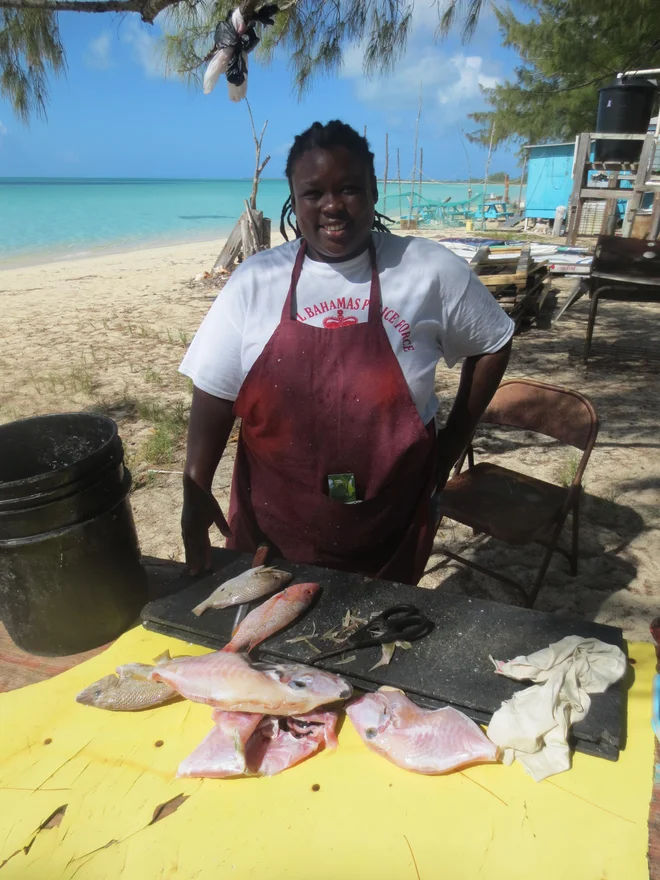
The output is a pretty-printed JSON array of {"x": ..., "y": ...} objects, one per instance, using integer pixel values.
[
  {"x": 70, "y": 572},
  {"x": 624, "y": 107}
]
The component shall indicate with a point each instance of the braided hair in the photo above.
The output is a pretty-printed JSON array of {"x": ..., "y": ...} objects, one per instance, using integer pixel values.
[{"x": 326, "y": 137}]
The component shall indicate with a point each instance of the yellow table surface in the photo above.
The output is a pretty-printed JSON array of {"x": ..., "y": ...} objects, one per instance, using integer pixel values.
[{"x": 369, "y": 819}]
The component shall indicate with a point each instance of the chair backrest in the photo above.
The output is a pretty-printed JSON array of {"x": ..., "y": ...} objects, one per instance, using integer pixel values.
[{"x": 557, "y": 412}]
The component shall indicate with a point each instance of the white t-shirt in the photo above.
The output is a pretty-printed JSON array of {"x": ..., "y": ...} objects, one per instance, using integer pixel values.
[{"x": 433, "y": 306}]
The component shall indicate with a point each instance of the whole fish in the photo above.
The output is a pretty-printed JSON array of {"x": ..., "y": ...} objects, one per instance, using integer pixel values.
[
  {"x": 129, "y": 691},
  {"x": 231, "y": 682},
  {"x": 273, "y": 615},
  {"x": 221, "y": 754},
  {"x": 251, "y": 584},
  {"x": 423, "y": 740}
]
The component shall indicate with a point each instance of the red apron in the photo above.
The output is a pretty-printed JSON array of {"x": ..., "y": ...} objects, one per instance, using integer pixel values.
[{"x": 319, "y": 402}]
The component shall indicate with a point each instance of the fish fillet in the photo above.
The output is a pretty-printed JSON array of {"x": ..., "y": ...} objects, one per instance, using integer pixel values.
[
  {"x": 242, "y": 744},
  {"x": 422, "y": 740},
  {"x": 222, "y": 753}
]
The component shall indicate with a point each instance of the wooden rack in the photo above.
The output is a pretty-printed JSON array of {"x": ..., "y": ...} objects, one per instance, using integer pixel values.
[
  {"x": 517, "y": 283},
  {"x": 615, "y": 171}
]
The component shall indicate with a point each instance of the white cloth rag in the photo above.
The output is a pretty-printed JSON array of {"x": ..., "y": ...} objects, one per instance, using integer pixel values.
[{"x": 533, "y": 725}]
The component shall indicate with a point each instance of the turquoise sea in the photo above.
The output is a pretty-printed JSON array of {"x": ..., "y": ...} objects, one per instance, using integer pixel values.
[{"x": 55, "y": 218}]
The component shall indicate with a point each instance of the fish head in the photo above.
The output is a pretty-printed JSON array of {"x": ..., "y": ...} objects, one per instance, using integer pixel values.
[
  {"x": 370, "y": 715},
  {"x": 99, "y": 693},
  {"x": 277, "y": 576},
  {"x": 302, "y": 592},
  {"x": 320, "y": 686}
]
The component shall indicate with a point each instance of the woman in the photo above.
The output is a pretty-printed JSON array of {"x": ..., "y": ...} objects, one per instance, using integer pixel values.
[{"x": 326, "y": 348}]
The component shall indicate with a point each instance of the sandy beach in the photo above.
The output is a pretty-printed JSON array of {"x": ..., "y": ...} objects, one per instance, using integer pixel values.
[{"x": 107, "y": 333}]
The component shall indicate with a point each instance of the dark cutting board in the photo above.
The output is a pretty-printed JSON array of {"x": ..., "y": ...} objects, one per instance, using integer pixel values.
[{"x": 448, "y": 667}]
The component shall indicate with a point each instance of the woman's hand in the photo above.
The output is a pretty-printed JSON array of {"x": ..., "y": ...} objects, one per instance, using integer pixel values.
[
  {"x": 480, "y": 378},
  {"x": 209, "y": 426},
  {"x": 200, "y": 511}
]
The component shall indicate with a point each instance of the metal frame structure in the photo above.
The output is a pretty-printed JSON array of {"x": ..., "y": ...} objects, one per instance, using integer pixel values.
[{"x": 481, "y": 496}]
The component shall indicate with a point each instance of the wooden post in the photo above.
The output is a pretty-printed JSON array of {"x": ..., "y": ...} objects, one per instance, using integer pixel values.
[
  {"x": 506, "y": 187},
  {"x": 398, "y": 177},
  {"x": 246, "y": 243},
  {"x": 635, "y": 201},
  {"x": 229, "y": 254},
  {"x": 655, "y": 218},
  {"x": 483, "y": 200},
  {"x": 610, "y": 204},
  {"x": 414, "y": 173},
  {"x": 522, "y": 180},
  {"x": 575, "y": 202},
  {"x": 387, "y": 162},
  {"x": 421, "y": 163},
  {"x": 265, "y": 233}
]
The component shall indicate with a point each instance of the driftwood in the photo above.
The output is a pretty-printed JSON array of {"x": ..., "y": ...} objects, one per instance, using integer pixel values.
[
  {"x": 231, "y": 251},
  {"x": 252, "y": 231}
]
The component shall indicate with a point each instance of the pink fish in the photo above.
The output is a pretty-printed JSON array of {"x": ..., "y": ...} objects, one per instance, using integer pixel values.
[
  {"x": 222, "y": 753},
  {"x": 320, "y": 725},
  {"x": 423, "y": 740},
  {"x": 272, "y": 616},
  {"x": 273, "y": 749},
  {"x": 230, "y": 682},
  {"x": 241, "y": 744}
]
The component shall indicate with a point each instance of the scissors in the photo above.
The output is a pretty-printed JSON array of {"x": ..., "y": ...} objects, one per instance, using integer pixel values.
[{"x": 401, "y": 623}]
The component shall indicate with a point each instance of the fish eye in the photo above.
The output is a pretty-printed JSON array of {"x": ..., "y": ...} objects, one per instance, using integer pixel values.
[
  {"x": 98, "y": 693},
  {"x": 296, "y": 683},
  {"x": 370, "y": 732}
]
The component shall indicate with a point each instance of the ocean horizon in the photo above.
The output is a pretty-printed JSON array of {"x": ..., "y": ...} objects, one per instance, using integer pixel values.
[{"x": 53, "y": 218}]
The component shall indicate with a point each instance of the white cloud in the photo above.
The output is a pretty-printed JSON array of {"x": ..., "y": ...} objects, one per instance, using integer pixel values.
[
  {"x": 145, "y": 48},
  {"x": 471, "y": 78},
  {"x": 3, "y": 129},
  {"x": 98, "y": 54},
  {"x": 451, "y": 79},
  {"x": 451, "y": 84}
]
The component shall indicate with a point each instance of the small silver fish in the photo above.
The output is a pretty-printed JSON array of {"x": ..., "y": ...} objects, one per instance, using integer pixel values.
[
  {"x": 129, "y": 691},
  {"x": 246, "y": 587}
]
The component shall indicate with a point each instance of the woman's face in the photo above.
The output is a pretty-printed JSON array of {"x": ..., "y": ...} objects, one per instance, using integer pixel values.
[{"x": 333, "y": 196}]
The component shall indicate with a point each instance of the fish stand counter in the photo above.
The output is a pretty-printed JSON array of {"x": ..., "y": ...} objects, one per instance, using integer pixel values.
[
  {"x": 86, "y": 793},
  {"x": 449, "y": 666}
]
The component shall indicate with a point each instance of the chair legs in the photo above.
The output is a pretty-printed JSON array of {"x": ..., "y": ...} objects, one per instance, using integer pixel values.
[
  {"x": 576, "y": 535},
  {"x": 590, "y": 326},
  {"x": 550, "y": 547}
]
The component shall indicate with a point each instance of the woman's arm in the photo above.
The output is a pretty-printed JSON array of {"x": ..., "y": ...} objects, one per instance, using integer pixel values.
[
  {"x": 209, "y": 426},
  {"x": 480, "y": 378}
]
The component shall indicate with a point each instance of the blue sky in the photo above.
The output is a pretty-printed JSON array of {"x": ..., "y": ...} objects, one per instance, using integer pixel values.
[{"x": 116, "y": 115}]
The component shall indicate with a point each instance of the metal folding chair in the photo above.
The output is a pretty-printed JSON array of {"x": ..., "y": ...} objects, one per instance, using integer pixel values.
[{"x": 513, "y": 507}]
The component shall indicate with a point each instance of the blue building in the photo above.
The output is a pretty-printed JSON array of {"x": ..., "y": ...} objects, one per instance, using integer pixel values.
[{"x": 549, "y": 179}]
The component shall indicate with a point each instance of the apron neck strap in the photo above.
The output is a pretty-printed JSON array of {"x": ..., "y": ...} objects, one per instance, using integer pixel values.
[{"x": 289, "y": 310}]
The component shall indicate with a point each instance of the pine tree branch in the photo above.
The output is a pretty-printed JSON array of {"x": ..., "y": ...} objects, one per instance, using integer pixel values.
[{"x": 147, "y": 9}]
